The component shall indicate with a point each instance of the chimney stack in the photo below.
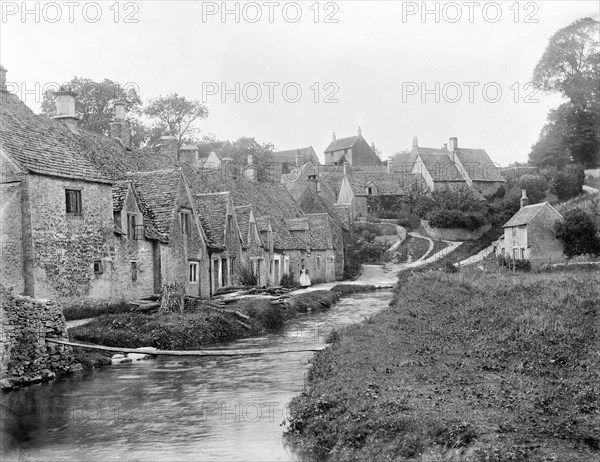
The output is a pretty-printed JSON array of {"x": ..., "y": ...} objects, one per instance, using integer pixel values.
[
  {"x": 3, "y": 72},
  {"x": 333, "y": 138},
  {"x": 445, "y": 146},
  {"x": 65, "y": 107},
  {"x": 415, "y": 143},
  {"x": 168, "y": 147},
  {"x": 298, "y": 158},
  {"x": 453, "y": 144},
  {"x": 389, "y": 166},
  {"x": 359, "y": 131},
  {"x": 119, "y": 128},
  {"x": 346, "y": 164},
  {"x": 524, "y": 198},
  {"x": 250, "y": 170}
]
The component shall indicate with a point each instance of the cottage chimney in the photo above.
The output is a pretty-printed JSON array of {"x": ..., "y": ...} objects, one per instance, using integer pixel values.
[
  {"x": 3, "y": 72},
  {"x": 65, "y": 107},
  {"x": 445, "y": 148},
  {"x": 168, "y": 147},
  {"x": 346, "y": 164},
  {"x": 359, "y": 131},
  {"x": 333, "y": 137},
  {"x": 415, "y": 143},
  {"x": 250, "y": 170},
  {"x": 298, "y": 158},
  {"x": 524, "y": 198},
  {"x": 453, "y": 144},
  {"x": 318, "y": 187},
  {"x": 389, "y": 166},
  {"x": 119, "y": 128}
]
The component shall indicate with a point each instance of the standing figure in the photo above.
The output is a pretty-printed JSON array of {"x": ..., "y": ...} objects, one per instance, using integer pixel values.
[{"x": 304, "y": 278}]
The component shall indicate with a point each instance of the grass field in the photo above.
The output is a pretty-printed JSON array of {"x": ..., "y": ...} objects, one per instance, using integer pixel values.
[{"x": 469, "y": 366}]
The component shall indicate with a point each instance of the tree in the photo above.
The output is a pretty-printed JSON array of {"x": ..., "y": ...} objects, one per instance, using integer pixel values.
[
  {"x": 94, "y": 105},
  {"x": 174, "y": 115},
  {"x": 570, "y": 64},
  {"x": 535, "y": 186},
  {"x": 578, "y": 233},
  {"x": 568, "y": 182},
  {"x": 262, "y": 155}
]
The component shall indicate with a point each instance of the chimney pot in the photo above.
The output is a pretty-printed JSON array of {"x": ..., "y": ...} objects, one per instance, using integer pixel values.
[
  {"x": 524, "y": 199},
  {"x": 346, "y": 168},
  {"x": 445, "y": 146},
  {"x": 415, "y": 142},
  {"x": 298, "y": 158},
  {"x": 119, "y": 128},
  {"x": 389, "y": 166},
  {"x": 65, "y": 107},
  {"x": 359, "y": 131},
  {"x": 333, "y": 138}
]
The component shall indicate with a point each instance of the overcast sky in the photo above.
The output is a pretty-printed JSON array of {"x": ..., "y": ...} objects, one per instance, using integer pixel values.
[{"x": 379, "y": 65}]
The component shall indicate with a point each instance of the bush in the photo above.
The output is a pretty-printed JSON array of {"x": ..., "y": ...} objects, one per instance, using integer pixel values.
[
  {"x": 87, "y": 309},
  {"x": 518, "y": 264},
  {"x": 245, "y": 275},
  {"x": 287, "y": 280},
  {"x": 456, "y": 219},
  {"x": 568, "y": 182},
  {"x": 579, "y": 234}
]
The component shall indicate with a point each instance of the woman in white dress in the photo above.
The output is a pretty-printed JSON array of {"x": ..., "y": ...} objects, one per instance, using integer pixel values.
[{"x": 304, "y": 278}]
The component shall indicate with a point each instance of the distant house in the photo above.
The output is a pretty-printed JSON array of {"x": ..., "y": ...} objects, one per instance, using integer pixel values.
[
  {"x": 295, "y": 157},
  {"x": 529, "y": 235},
  {"x": 451, "y": 167},
  {"x": 218, "y": 218},
  {"x": 354, "y": 150}
]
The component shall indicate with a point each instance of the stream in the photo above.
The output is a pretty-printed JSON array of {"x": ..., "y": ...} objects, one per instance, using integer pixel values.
[{"x": 176, "y": 408}]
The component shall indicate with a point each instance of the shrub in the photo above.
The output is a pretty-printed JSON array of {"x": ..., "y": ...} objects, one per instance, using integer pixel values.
[
  {"x": 87, "y": 309},
  {"x": 287, "y": 280},
  {"x": 568, "y": 182},
  {"x": 245, "y": 275},
  {"x": 450, "y": 268},
  {"x": 516, "y": 264},
  {"x": 579, "y": 234},
  {"x": 456, "y": 219}
]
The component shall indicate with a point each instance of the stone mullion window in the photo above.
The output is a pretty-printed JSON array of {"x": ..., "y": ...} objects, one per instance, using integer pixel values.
[{"x": 73, "y": 202}]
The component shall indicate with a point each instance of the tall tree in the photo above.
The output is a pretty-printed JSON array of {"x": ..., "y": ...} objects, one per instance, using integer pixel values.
[
  {"x": 570, "y": 65},
  {"x": 176, "y": 116},
  {"x": 262, "y": 155},
  {"x": 578, "y": 233},
  {"x": 94, "y": 104}
]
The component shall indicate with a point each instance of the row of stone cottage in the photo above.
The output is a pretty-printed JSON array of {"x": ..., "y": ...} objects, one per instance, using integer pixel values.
[{"x": 85, "y": 216}]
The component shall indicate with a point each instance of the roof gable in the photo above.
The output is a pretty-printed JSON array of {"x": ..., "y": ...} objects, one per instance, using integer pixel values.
[{"x": 528, "y": 213}]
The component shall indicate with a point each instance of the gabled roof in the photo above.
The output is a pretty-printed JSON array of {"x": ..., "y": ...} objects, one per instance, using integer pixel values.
[
  {"x": 387, "y": 184},
  {"x": 119, "y": 193},
  {"x": 212, "y": 209},
  {"x": 158, "y": 191},
  {"x": 265, "y": 198},
  {"x": 342, "y": 143},
  {"x": 264, "y": 223},
  {"x": 244, "y": 214},
  {"x": 312, "y": 202},
  {"x": 440, "y": 167},
  {"x": 321, "y": 226},
  {"x": 297, "y": 224},
  {"x": 526, "y": 214},
  {"x": 478, "y": 165},
  {"x": 289, "y": 156},
  {"x": 404, "y": 162}
]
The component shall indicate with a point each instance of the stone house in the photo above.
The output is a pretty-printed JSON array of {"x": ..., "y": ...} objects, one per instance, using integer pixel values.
[
  {"x": 169, "y": 219},
  {"x": 529, "y": 235},
  {"x": 451, "y": 167},
  {"x": 295, "y": 157},
  {"x": 225, "y": 242},
  {"x": 255, "y": 253},
  {"x": 354, "y": 150}
]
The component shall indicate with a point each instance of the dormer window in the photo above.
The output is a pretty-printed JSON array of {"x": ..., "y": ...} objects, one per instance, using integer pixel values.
[
  {"x": 370, "y": 190},
  {"x": 186, "y": 221}
]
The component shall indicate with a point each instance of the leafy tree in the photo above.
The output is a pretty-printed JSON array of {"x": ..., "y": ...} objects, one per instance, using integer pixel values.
[
  {"x": 262, "y": 155},
  {"x": 578, "y": 233},
  {"x": 94, "y": 105},
  {"x": 570, "y": 65},
  {"x": 535, "y": 186},
  {"x": 176, "y": 116},
  {"x": 568, "y": 182}
]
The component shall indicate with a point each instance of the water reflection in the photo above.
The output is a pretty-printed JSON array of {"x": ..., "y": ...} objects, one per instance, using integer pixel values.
[{"x": 229, "y": 408}]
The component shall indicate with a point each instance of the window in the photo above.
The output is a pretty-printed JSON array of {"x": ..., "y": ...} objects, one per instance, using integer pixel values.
[
  {"x": 370, "y": 191},
  {"x": 130, "y": 226},
  {"x": 73, "y": 202},
  {"x": 98, "y": 267},
  {"x": 231, "y": 267},
  {"x": 194, "y": 269},
  {"x": 229, "y": 224},
  {"x": 514, "y": 233},
  {"x": 186, "y": 222},
  {"x": 134, "y": 271},
  {"x": 522, "y": 253},
  {"x": 318, "y": 262}
]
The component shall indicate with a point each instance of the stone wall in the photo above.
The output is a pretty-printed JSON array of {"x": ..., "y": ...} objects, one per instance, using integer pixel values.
[
  {"x": 25, "y": 357},
  {"x": 454, "y": 234}
]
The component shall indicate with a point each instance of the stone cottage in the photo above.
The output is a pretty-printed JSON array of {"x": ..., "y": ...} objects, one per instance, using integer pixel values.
[
  {"x": 529, "y": 235},
  {"x": 255, "y": 253},
  {"x": 354, "y": 150}
]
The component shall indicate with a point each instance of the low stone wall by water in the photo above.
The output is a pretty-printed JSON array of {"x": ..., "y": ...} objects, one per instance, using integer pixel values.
[
  {"x": 454, "y": 234},
  {"x": 25, "y": 357}
]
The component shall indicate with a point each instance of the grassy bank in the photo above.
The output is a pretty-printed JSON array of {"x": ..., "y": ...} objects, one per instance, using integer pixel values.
[
  {"x": 198, "y": 326},
  {"x": 467, "y": 366}
]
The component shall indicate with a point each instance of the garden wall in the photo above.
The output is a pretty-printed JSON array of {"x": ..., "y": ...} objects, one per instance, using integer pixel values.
[
  {"x": 454, "y": 234},
  {"x": 25, "y": 357}
]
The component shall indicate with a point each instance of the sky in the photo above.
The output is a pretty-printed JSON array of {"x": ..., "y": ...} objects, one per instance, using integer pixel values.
[{"x": 292, "y": 73}]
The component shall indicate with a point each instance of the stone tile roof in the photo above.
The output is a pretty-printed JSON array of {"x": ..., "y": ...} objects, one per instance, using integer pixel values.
[
  {"x": 387, "y": 184},
  {"x": 526, "y": 214},
  {"x": 404, "y": 162},
  {"x": 158, "y": 191},
  {"x": 42, "y": 145},
  {"x": 119, "y": 192},
  {"x": 242, "y": 214},
  {"x": 311, "y": 202},
  {"x": 289, "y": 155},
  {"x": 478, "y": 165},
  {"x": 263, "y": 223},
  {"x": 265, "y": 198},
  {"x": 212, "y": 210},
  {"x": 342, "y": 143},
  {"x": 439, "y": 166},
  {"x": 297, "y": 224}
]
